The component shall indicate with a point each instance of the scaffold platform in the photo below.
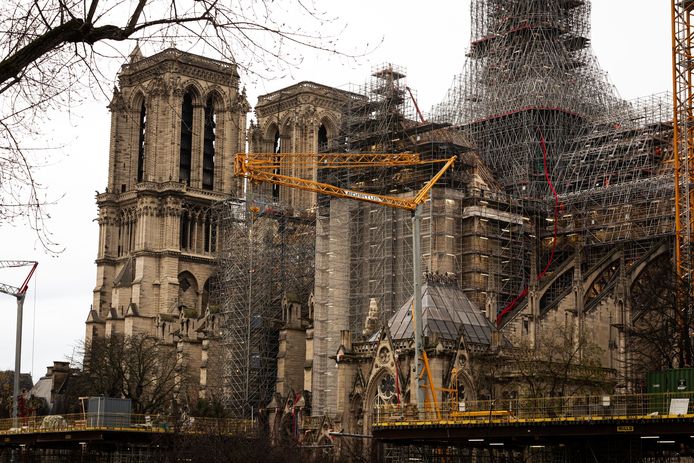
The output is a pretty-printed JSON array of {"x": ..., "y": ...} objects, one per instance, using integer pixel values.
[{"x": 665, "y": 418}]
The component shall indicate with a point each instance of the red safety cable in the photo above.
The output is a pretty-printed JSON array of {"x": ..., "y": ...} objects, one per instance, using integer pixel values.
[
  {"x": 511, "y": 305},
  {"x": 556, "y": 206}
]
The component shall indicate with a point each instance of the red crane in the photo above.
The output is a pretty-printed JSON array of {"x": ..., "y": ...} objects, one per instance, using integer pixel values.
[{"x": 19, "y": 293}]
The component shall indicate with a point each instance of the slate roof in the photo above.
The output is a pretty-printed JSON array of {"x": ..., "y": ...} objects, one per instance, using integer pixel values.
[{"x": 446, "y": 312}]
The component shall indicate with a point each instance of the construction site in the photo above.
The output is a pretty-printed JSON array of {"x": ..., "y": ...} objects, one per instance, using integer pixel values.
[
  {"x": 368, "y": 267},
  {"x": 553, "y": 189}
]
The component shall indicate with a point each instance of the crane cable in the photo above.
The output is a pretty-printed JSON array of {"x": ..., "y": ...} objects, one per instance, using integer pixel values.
[{"x": 511, "y": 305}]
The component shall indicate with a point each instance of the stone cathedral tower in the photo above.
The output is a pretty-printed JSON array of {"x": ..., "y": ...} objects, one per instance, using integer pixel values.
[{"x": 177, "y": 119}]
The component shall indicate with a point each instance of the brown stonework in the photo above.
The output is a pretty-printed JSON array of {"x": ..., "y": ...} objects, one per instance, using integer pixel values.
[{"x": 157, "y": 230}]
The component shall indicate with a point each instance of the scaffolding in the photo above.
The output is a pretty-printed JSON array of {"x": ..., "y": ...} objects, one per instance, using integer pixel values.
[
  {"x": 590, "y": 169},
  {"x": 266, "y": 253},
  {"x": 554, "y": 169},
  {"x": 364, "y": 251}
]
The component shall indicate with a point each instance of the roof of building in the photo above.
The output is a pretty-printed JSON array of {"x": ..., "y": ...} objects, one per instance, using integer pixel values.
[{"x": 447, "y": 313}]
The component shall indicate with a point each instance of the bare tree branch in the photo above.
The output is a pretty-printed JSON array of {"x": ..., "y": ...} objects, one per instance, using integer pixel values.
[{"x": 40, "y": 71}]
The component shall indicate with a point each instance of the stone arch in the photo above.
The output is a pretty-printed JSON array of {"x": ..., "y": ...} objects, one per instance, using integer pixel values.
[
  {"x": 205, "y": 298},
  {"x": 273, "y": 142},
  {"x": 196, "y": 92},
  {"x": 139, "y": 121},
  {"x": 274, "y": 139},
  {"x": 604, "y": 267},
  {"x": 212, "y": 139},
  {"x": 326, "y": 132},
  {"x": 272, "y": 129},
  {"x": 220, "y": 101},
  {"x": 187, "y": 290},
  {"x": 465, "y": 386},
  {"x": 657, "y": 254},
  {"x": 285, "y": 122},
  {"x": 137, "y": 99},
  {"x": 330, "y": 124},
  {"x": 562, "y": 281},
  {"x": 189, "y": 105},
  {"x": 379, "y": 384},
  {"x": 556, "y": 275},
  {"x": 651, "y": 269}
]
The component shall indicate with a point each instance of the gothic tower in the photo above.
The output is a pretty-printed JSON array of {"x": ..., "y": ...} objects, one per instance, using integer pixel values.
[
  {"x": 177, "y": 120},
  {"x": 301, "y": 118}
]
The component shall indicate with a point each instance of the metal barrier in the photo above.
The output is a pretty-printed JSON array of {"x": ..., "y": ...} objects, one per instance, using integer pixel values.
[
  {"x": 550, "y": 409},
  {"x": 128, "y": 422}
]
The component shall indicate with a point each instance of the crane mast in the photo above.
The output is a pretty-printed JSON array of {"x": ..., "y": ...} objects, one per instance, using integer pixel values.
[
  {"x": 266, "y": 167},
  {"x": 683, "y": 125},
  {"x": 19, "y": 293}
]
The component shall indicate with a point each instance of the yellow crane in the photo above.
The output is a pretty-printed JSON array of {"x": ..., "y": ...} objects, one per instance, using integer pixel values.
[
  {"x": 683, "y": 148},
  {"x": 267, "y": 168},
  {"x": 683, "y": 129}
]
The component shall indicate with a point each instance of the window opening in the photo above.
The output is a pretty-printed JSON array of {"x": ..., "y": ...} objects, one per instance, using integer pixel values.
[
  {"x": 209, "y": 146},
  {"x": 186, "y": 139},
  {"x": 322, "y": 138},
  {"x": 141, "y": 144},
  {"x": 277, "y": 148},
  {"x": 185, "y": 232}
]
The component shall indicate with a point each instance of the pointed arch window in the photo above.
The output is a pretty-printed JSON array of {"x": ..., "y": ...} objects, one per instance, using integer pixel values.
[
  {"x": 322, "y": 138},
  {"x": 276, "y": 148},
  {"x": 185, "y": 232},
  {"x": 209, "y": 146},
  {"x": 186, "y": 139},
  {"x": 141, "y": 143}
]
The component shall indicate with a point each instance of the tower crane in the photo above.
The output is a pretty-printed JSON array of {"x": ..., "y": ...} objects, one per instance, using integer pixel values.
[
  {"x": 683, "y": 148},
  {"x": 266, "y": 167},
  {"x": 683, "y": 128},
  {"x": 19, "y": 293}
]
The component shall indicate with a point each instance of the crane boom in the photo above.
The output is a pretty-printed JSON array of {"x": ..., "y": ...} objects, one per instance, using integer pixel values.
[
  {"x": 265, "y": 167},
  {"x": 9, "y": 289}
]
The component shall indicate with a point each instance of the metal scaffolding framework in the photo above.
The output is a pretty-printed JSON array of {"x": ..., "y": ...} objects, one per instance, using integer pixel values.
[
  {"x": 471, "y": 227},
  {"x": 266, "y": 254},
  {"x": 589, "y": 168},
  {"x": 554, "y": 169}
]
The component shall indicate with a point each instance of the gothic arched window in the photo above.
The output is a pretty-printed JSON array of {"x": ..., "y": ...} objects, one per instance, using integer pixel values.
[
  {"x": 141, "y": 143},
  {"x": 186, "y": 139},
  {"x": 277, "y": 148},
  {"x": 386, "y": 394},
  {"x": 185, "y": 234},
  {"x": 209, "y": 146},
  {"x": 322, "y": 138}
]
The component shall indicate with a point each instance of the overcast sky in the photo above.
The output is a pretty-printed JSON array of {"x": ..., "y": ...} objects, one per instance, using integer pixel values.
[{"x": 631, "y": 39}]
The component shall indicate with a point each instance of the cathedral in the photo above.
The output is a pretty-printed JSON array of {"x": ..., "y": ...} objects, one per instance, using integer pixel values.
[
  {"x": 177, "y": 119},
  {"x": 295, "y": 308}
]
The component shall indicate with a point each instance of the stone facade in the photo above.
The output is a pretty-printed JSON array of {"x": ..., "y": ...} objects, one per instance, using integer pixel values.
[
  {"x": 302, "y": 118},
  {"x": 177, "y": 120}
]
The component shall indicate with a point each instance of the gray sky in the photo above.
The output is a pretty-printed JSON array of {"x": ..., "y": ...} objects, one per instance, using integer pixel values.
[{"x": 631, "y": 39}]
